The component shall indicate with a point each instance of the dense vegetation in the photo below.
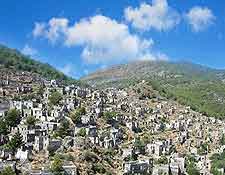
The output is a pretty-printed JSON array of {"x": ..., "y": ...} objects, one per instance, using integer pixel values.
[
  {"x": 202, "y": 96},
  {"x": 13, "y": 59},
  {"x": 200, "y": 87},
  {"x": 218, "y": 162},
  {"x": 76, "y": 115},
  {"x": 7, "y": 171},
  {"x": 191, "y": 166},
  {"x": 57, "y": 165},
  {"x": 55, "y": 97},
  {"x": 12, "y": 119}
]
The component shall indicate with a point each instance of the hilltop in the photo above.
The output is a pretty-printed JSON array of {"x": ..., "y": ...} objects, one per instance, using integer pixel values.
[
  {"x": 13, "y": 60},
  {"x": 195, "y": 85}
]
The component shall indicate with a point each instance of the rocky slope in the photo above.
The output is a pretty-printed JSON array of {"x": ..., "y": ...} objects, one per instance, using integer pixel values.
[
  {"x": 12, "y": 60},
  {"x": 198, "y": 86},
  {"x": 154, "y": 69}
]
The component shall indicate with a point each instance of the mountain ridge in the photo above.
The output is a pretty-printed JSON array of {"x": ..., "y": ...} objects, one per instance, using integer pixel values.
[
  {"x": 191, "y": 84},
  {"x": 150, "y": 69},
  {"x": 12, "y": 59}
]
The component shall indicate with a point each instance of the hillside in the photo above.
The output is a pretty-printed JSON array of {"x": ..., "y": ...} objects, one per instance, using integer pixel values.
[
  {"x": 198, "y": 86},
  {"x": 11, "y": 59}
]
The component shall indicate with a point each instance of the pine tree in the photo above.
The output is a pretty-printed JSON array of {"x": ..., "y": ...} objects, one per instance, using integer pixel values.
[{"x": 16, "y": 142}]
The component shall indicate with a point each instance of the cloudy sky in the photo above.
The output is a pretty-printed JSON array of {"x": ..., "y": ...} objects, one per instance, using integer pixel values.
[{"x": 80, "y": 36}]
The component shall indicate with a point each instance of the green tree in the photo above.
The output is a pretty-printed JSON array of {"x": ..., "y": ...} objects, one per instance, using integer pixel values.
[
  {"x": 55, "y": 97},
  {"x": 222, "y": 140},
  {"x": 64, "y": 129},
  {"x": 82, "y": 132},
  {"x": 192, "y": 169},
  {"x": 109, "y": 117},
  {"x": 7, "y": 171},
  {"x": 31, "y": 121},
  {"x": 217, "y": 162},
  {"x": 99, "y": 168},
  {"x": 191, "y": 166},
  {"x": 162, "y": 160},
  {"x": 16, "y": 142},
  {"x": 82, "y": 110},
  {"x": 203, "y": 149},
  {"x": 76, "y": 115},
  {"x": 139, "y": 143},
  {"x": 56, "y": 166},
  {"x": 4, "y": 130},
  {"x": 13, "y": 118}
]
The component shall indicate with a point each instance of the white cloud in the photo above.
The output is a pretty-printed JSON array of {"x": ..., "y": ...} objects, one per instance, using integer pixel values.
[
  {"x": 157, "y": 15},
  {"x": 103, "y": 39},
  {"x": 39, "y": 29},
  {"x": 29, "y": 51},
  {"x": 57, "y": 27},
  {"x": 200, "y": 18},
  {"x": 51, "y": 30}
]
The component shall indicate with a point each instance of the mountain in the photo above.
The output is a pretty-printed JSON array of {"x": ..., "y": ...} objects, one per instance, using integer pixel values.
[
  {"x": 200, "y": 87},
  {"x": 13, "y": 60}
]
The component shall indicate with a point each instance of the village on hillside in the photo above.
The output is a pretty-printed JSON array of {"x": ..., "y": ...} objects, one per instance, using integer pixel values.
[{"x": 48, "y": 128}]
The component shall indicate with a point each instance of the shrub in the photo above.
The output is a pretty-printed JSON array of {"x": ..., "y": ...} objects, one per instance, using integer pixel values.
[
  {"x": 31, "y": 121},
  {"x": 82, "y": 132},
  {"x": 13, "y": 118},
  {"x": 55, "y": 97},
  {"x": 56, "y": 166}
]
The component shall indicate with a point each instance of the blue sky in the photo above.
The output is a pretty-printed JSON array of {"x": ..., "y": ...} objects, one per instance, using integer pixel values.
[{"x": 80, "y": 36}]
